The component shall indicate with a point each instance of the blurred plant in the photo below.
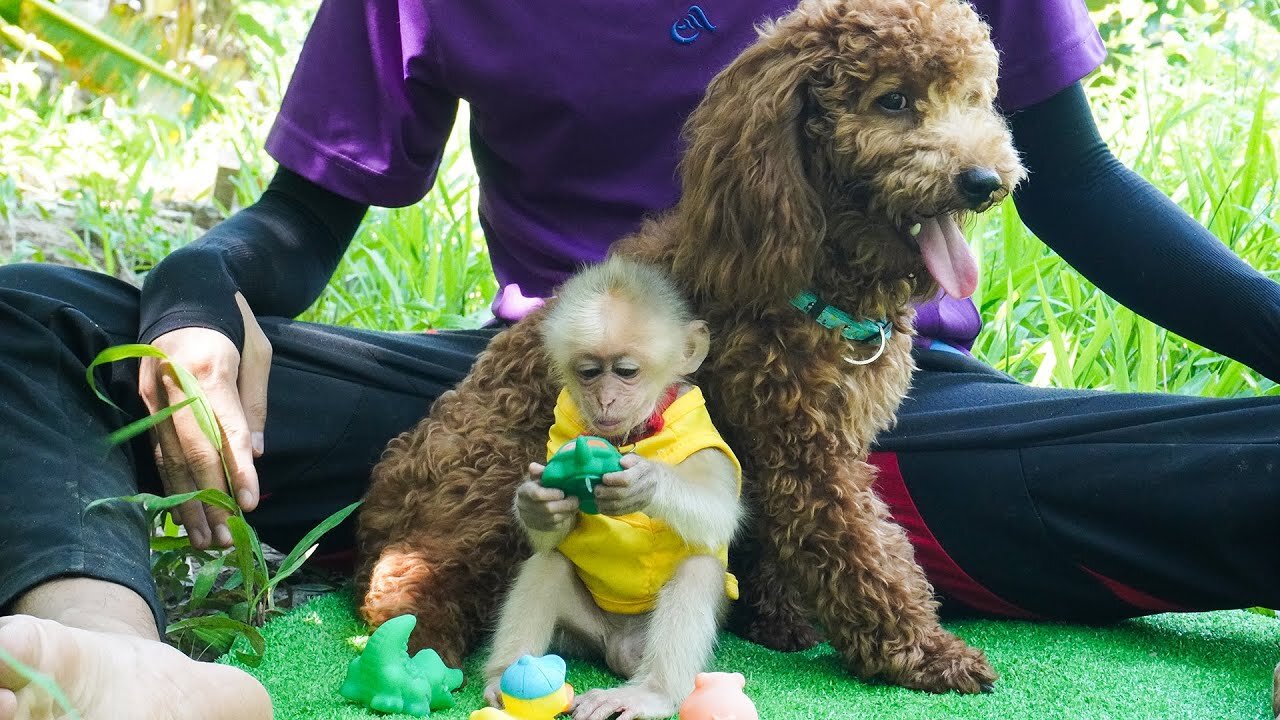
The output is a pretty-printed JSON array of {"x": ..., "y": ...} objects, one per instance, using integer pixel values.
[
  {"x": 111, "y": 53},
  {"x": 44, "y": 682}
]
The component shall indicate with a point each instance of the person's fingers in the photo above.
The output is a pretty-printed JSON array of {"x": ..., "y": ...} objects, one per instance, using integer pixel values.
[
  {"x": 255, "y": 370},
  {"x": 237, "y": 443},
  {"x": 201, "y": 457},
  {"x": 176, "y": 479},
  {"x": 168, "y": 456}
]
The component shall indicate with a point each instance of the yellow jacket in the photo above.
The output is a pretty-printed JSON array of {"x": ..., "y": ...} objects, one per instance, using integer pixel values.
[{"x": 624, "y": 561}]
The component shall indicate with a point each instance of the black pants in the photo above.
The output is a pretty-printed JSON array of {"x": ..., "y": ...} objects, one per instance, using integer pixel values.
[{"x": 1021, "y": 501}]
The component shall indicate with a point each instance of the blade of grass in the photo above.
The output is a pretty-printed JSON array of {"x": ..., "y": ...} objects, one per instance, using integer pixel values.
[
  {"x": 207, "y": 623},
  {"x": 42, "y": 681},
  {"x": 204, "y": 580},
  {"x": 1062, "y": 359},
  {"x": 137, "y": 427},
  {"x": 158, "y": 503},
  {"x": 303, "y": 549},
  {"x": 115, "y": 354}
]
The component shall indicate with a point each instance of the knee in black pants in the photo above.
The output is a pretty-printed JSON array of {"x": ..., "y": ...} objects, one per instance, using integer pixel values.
[{"x": 54, "y": 459}]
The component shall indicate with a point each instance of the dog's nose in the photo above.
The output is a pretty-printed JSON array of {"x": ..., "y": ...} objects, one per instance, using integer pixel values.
[{"x": 977, "y": 185}]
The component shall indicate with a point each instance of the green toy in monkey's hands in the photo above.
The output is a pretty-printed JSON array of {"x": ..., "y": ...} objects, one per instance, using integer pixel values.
[{"x": 577, "y": 468}]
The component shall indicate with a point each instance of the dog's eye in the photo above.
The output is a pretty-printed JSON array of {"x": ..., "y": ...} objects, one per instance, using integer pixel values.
[{"x": 893, "y": 102}]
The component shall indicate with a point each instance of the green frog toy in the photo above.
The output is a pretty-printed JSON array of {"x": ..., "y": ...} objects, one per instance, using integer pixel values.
[
  {"x": 386, "y": 679},
  {"x": 577, "y": 468}
]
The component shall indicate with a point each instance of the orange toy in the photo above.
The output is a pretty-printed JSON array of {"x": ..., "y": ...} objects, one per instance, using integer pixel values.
[{"x": 718, "y": 696}]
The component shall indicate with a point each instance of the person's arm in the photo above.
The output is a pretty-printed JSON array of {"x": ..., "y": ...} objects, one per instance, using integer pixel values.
[
  {"x": 1135, "y": 243},
  {"x": 364, "y": 122},
  {"x": 278, "y": 253},
  {"x": 198, "y": 307}
]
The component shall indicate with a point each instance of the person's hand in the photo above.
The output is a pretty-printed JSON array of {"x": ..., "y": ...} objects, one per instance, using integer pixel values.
[
  {"x": 632, "y": 488},
  {"x": 236, "y": 386},
  {"x": 543, "y": 509}
]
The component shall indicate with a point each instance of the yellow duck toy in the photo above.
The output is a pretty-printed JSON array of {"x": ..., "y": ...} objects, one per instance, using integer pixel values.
[{"x": 533, "y": 688}]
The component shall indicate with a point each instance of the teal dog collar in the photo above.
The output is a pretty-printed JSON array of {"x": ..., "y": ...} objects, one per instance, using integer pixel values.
[{"x": 837, "y": 319}]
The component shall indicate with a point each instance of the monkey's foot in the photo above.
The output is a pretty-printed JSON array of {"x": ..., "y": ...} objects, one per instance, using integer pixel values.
[
  {"x": 493, "y": 693},
  {"x": 629, "y": 702}
]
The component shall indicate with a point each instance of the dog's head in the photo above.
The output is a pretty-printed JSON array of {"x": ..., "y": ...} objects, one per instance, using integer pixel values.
[{"x": 842, "y": 147}]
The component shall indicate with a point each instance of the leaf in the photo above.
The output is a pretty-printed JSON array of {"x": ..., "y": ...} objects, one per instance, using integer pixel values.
[
  {"x": 239, "y": 611},
  {"x": 115, "y": 354},
  {"x": 215, "y": 623},
  {"x": 1062, "y": 358},
  {"x": 248, "y": 557},
  {"x": 1148, "y": 357},
  {"x": 307, "y": 544},
  {"x": 163, "y": 543},
  {"x": 195, "y": 397},
  {"x": 202, "y": 411},
  {"x": 87, "y": 48},
  {"x": 158, "y": 503},
  {"x": 205, "y": 578},
  {"x": 250, "y": 26},
  {"x": 137, "y": 427}
]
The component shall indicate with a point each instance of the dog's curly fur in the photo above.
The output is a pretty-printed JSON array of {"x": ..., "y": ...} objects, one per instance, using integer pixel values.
[{"x": 793, "y": 179}]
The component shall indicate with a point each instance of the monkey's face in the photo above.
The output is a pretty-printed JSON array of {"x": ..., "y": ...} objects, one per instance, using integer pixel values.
[
  {"x": 616, "y": 394},
  {"x": 617, "y": 353}
]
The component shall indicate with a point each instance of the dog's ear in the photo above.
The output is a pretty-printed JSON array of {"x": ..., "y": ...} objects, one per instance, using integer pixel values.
[{"x": 753, "y": 221}]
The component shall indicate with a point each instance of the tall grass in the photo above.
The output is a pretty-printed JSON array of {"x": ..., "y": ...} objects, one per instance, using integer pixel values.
[
  {"x": 1198, "y": 118},
  {"x": 441, "y": 279}
]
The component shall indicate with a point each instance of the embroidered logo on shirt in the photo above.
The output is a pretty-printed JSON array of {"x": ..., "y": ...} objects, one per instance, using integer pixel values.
[{"x": 691, "y": 26}]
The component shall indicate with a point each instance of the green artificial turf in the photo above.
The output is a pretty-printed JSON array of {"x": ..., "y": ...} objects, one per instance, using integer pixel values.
[{"x": 1210, "y": 666}]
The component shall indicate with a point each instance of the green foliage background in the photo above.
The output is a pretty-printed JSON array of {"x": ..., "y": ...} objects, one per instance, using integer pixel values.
[{"x": 1185, "y": 98}]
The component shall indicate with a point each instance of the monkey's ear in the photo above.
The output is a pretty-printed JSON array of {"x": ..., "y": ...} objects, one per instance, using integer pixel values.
[{"x": 697, "y": 342}]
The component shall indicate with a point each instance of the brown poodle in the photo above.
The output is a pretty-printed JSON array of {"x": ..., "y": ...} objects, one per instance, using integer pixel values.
[{"x": 832, "y": 156}]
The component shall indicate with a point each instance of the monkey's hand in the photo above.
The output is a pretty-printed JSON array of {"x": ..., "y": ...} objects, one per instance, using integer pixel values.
[
  {"x": 633, "y": 488},
  {"x": 546, "y": 514},
  {"x": 698, "y": 498}
]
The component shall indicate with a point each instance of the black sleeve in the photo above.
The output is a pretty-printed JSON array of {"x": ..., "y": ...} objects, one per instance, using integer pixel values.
[
  {"x": 1136, "y": 244},
  {"x": 279, "y": 253}
]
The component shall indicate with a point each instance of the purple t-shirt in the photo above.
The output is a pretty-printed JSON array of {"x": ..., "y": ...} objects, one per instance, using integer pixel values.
[{"x": 576, "y": 111}]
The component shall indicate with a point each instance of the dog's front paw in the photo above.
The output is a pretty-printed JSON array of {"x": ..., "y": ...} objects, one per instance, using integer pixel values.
[{"x": 948, "y": 664}]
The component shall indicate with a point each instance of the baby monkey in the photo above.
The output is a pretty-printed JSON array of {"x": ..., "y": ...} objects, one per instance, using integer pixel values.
[{"x": 644, "y": 582}]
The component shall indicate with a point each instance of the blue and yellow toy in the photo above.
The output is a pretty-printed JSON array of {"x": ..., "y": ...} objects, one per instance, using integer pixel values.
[{"x": 533, "y": 688}]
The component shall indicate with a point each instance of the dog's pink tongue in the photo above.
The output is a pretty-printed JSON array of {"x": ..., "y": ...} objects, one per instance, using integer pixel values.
[{"x": 947, "y": 256}]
